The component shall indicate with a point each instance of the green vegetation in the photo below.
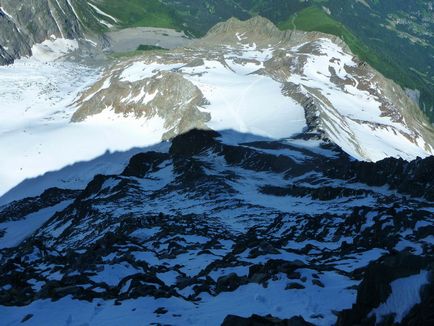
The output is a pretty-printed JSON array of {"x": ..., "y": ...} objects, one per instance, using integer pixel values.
[
  {"x": 400, "y": 33},
  {"x": 139, "y": 51},
  {"x": 144, "y": 47},
  {"x": 135, "y": 13},
  {"x": 315, "y": 19}
]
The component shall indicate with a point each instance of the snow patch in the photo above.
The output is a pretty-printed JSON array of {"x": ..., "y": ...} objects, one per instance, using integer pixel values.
[
  {"x": 17, "y": 231},
  {"x": 53, "y": 49}
]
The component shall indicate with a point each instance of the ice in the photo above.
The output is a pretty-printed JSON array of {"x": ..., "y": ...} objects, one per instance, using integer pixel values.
[{"x": 53, "y": 49}]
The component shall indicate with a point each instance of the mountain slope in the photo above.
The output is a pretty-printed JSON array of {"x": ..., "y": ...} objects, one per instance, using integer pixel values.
[
  {"x": 399, "y": 32},
  {"x": 267, "y": 82},
  {"x": 237, "y": 86},
  {"x": 243, "y": 179},
  {"x": 19, "y": 32}
]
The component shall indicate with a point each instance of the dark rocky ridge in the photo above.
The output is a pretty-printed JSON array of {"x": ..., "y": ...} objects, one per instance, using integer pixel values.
[
  {"x": 101, "y": 229},
  {"x": 256, "y": 320}
]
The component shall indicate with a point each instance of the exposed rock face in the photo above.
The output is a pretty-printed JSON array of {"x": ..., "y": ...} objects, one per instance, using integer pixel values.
[
  {"x": 259, "y": 30},
  {"x": 375, "y": 290},
  {"x": 343, "y": 99},
  {"x": 262, "y": 227},
  {"x": 50, "y": 197},
  {"x": 414, "y": 178},
  {"x": 166, "y": 95},
  {"x": 25, "y": 23}
]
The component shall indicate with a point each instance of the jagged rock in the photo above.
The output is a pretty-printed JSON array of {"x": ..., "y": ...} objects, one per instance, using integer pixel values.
[
  {"x": 50, "y": 197},
  {"x": 167, "y": 95},
  {"x": 143, "y": 163},
  {"x": 193, "y": 142},
  {"x": 294, "y": 285},
  {"x": 228, "y": 283},
  {"x": 26, "y": 318},
  {"x": 256, "y": 320},
  {"x": 422, "y": 313},
  {"x": 161, "y": 311},
  {"x": 375, "y": 287},
  {"x": 413, "y": 178}
]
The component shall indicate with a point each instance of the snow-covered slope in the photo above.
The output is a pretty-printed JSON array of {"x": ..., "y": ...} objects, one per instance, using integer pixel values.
[
  {"x": 36, "y": 135},
  {"x": 243, "y": 76},
  {"x": 254, "y": 78}
]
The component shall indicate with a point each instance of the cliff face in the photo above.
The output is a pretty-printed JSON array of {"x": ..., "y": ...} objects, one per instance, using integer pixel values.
[{"x": 25, "y": 23}]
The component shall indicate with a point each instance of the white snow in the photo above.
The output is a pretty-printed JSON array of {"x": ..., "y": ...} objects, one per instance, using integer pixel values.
[
  {"x": 53, "y": 49},
  {"x": 243, "y": 101},
  {"x": 112, "y": 274},
  {"x": 351, "y": 113},
  {"x": 349, "y": 264},
  {"x": 18, "y": 231},
  {"x": 248, "y": 299},
  {"x": 248, "y": 103},
  {"x": 140, "y": 70},
  {"x": 239, "y": 100},
  {"x": 102, "y": 13},
  {"x": 144, "y": 234},
  {"x": 36, "y": 135}
]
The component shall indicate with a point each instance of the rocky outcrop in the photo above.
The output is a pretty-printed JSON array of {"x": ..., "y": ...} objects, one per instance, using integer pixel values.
[
  {"x": 375, "y": 289},
  {"x": 259, "y": 30},
  {"x": 414, "y": 178},
  {"x": 167, "y": 95},
  {"x": 18, "y": 209},
  {"x": 256, "y": 320}
]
